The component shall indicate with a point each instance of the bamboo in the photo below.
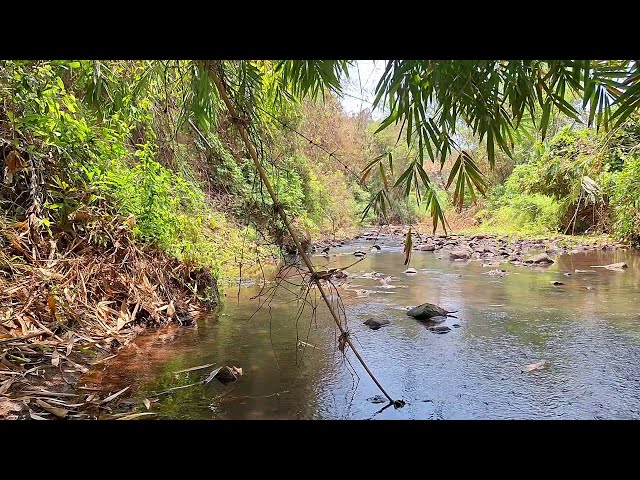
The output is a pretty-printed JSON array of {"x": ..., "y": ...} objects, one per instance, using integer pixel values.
[{"x": 265, "y": 180}]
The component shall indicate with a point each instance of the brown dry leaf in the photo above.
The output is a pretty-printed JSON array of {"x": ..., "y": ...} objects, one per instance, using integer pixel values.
[
  {"x": 58, "y": 412},
  {"x": 55, "y": 358},
  {"x": 15, "y": 161},
  {"x": 147, "y": 403},
  {"x": 130, "y": 221},
  {"x": 24, "y": 225},
  {"x": 4, "y": 386},
  {"x": 115, "y": 395},
  {"x": 171, "y": 310},
  {"x": 35, "y": 416},
  {"x": 51, "y": 303},
  {"x": 70, "y": 346},
  {"x": 120, "y": 323}
]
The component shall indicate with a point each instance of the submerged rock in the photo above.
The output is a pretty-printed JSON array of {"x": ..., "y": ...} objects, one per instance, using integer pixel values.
[
  {"x": 555, "y": 282},
  {"x": 438, "y": 319},
  {"x": 440, "y": 329},
  {"x": 375, "y": 324},
  {"x": 541, "y": 258},
  {"x": 427, "y": 311},
  {"x": 377, "y": 399}
]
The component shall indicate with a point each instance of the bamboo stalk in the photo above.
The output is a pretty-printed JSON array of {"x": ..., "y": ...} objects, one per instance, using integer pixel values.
[{"x": 265, "y": 180}]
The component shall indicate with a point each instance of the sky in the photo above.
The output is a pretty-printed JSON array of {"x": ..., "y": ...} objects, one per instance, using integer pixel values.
[{"x": 363, "y": 78}]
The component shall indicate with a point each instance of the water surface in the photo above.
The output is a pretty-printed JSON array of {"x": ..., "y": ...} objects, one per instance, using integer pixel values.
[{"x": 587, "y": 331}]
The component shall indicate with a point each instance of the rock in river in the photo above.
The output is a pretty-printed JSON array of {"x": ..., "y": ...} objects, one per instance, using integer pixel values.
[
  {"x": 438, "y": 319},
  {"x": 541, "y": 258},
  {"x": 410, "y": 271},
  {"x": 459, "y": 254},
  {"x": 440, "y": 329},
  {"x": 375, "y": 324},
  {"x": 427, "y": 311}
]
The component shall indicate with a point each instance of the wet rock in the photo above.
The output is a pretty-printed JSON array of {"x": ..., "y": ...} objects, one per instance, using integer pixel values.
[
  {"x": 341, "y": 274},
  {"x": 428, "y": 310},
  {"x": 358, "y": 253},
  {"x": 430, "y": 247},
  {"x": 456, "y": 325},
  {"x": 440, "y": 329},
  {"x": 375, "y": 324},
  {"x": 438, "y": 319},
  {"x": 459, "y": 255},
  {"x": 497, "y": 273},
  {"x": 541, "y": 258},
  {"x": 567, "y": 274},
  {"x": 556, "y": 283},
  {"x": 410, "y": 271},
  {"x": 375, "y": 247}
]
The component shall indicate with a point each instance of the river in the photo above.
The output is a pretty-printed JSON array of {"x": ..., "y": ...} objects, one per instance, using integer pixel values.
[{"x": 587, "y": 331}]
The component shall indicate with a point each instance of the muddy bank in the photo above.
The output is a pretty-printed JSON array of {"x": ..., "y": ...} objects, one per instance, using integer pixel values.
[{"x": 69, "y": 301}]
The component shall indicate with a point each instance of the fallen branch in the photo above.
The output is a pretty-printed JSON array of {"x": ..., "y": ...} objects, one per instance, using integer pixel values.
[{"x": 213, "y": 73}]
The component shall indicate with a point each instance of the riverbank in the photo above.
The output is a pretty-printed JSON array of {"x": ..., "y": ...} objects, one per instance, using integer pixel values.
[{"x": 69, "y": 302}]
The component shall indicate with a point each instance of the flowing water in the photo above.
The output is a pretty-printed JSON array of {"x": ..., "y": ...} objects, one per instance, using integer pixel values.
[{"x": 587, "y": 331}]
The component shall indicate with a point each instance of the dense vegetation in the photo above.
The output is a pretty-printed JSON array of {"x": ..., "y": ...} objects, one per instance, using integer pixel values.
[
  {"x": 579, "y": 181},
  {"x": 111, "y": 139},
  {"x": 149, "y": 141}
]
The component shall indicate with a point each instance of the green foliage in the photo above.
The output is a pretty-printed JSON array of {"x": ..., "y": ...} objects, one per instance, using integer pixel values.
[
  {"x": 509, "y": 209},
  {"x": 95, "y": 161}
]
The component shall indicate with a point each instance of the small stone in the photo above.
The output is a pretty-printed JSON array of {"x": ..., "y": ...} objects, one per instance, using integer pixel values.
[
  {"x": 377, "y": 399},
  {"x": 375, "y": 324},
  {"x": 440, "y": 329},
  {"x": 540, "y": 259}
]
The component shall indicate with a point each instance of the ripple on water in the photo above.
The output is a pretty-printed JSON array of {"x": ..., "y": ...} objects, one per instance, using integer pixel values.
[{"x": 590, "y": 340}]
